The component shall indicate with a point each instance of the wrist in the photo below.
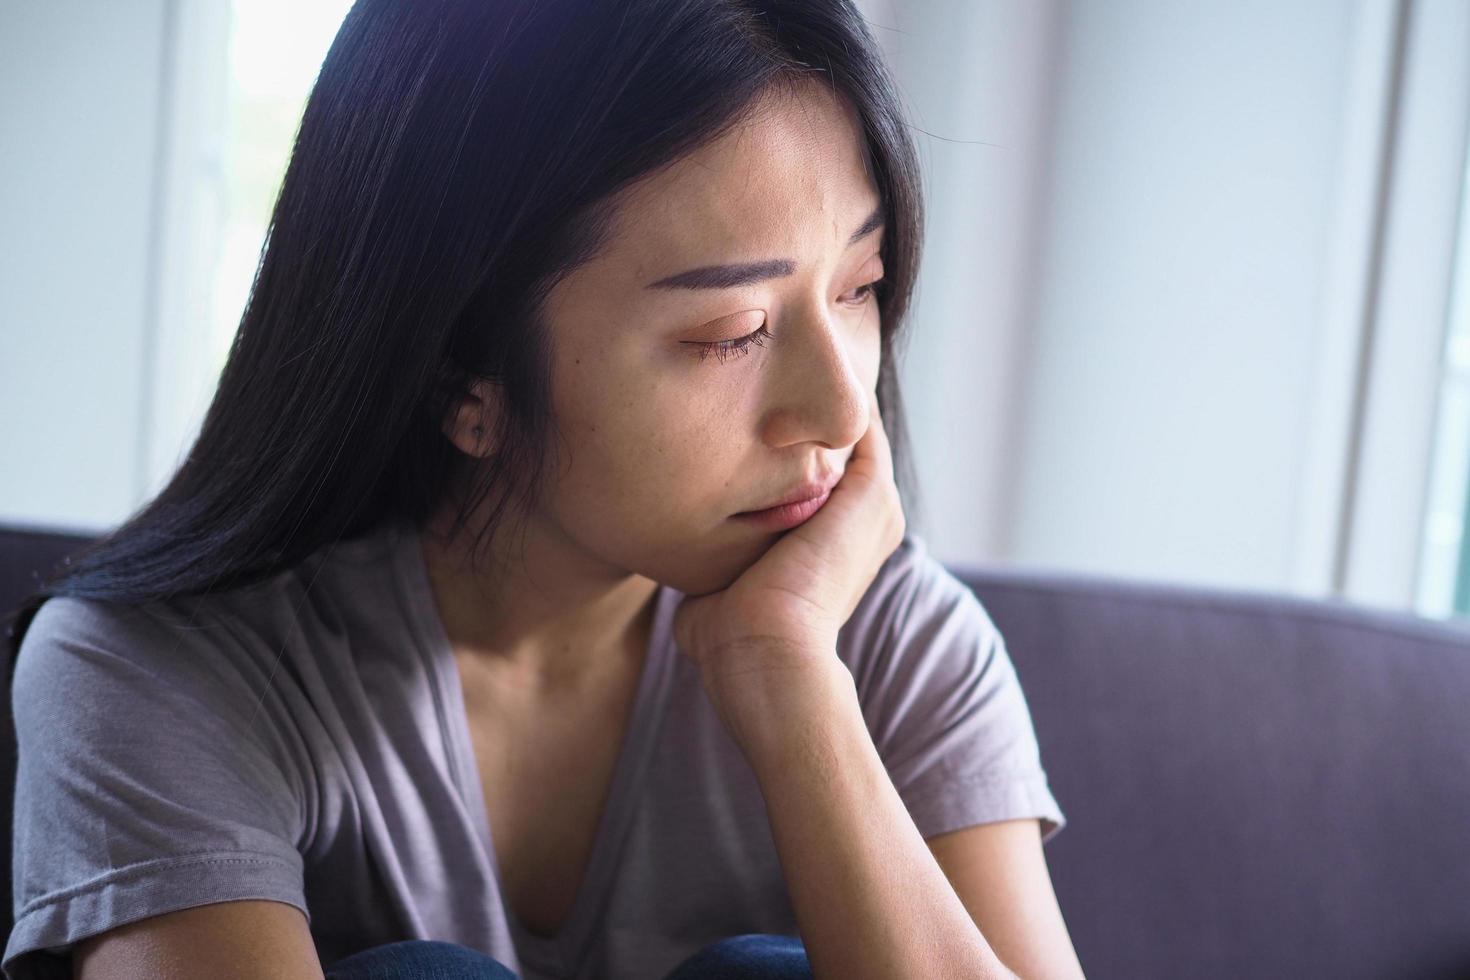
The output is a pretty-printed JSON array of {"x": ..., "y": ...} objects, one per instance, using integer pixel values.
[{"x": 770, "y": 710}]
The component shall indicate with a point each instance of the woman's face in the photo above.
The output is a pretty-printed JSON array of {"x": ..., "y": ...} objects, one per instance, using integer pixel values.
[{"x": 662, "y": 446}]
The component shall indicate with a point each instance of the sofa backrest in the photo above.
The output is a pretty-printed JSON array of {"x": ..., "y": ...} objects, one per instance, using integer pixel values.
[{"x": 1255, "y": 785}]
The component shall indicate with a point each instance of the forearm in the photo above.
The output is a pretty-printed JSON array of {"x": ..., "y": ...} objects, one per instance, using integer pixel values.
[{"x": 870, "y": 899}]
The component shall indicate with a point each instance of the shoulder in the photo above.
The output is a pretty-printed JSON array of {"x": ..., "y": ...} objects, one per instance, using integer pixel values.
[
  {"x": 101, "y": 689},
  {"x": 98, "y": 651},
  {"x": 66, "y": 616},
  {"x": 126, "y": 628},
  {"x": 67, "y": 626},
  {"x": 914, "y": 602},
  {"x": 916, "y": 626},
  {"x": 81, "y": 657},
  {"x": 308, "y": 599}
]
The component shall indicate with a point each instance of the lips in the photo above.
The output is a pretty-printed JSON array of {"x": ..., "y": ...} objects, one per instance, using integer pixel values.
[
  {"x": 786, "y": 517},
  {"x": 802, "y": 492}
]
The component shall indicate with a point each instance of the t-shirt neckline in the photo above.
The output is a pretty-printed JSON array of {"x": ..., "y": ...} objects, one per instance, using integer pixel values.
[{"x": 562, "y": 952}]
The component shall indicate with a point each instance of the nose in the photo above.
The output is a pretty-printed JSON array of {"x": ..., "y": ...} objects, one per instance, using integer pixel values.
[{"x": 825, "y": 370}]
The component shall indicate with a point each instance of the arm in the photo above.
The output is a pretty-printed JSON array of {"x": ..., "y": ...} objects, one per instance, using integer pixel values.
[
  {"x": 870, "y": 898},
  {"x": 241, "y": 939},
  {"x": 1000, "y": 873}
]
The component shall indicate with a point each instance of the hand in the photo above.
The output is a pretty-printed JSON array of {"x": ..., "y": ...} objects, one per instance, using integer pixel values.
[{"x": 784, "y": 611}]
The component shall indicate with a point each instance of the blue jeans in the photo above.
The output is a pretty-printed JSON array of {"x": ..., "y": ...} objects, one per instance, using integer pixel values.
[{"x": 753, "y": 956}]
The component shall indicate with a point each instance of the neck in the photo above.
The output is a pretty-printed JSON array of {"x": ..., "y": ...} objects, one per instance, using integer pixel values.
[{"x": 552, "y": 618}]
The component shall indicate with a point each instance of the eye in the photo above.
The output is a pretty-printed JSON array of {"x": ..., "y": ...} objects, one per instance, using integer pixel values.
[
  {"x": 865, "y": 291},
  {"x": 738, "y": 347}
]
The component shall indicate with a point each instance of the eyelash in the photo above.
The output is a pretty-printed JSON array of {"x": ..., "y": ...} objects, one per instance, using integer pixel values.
[{"x": 740, "y": 346}]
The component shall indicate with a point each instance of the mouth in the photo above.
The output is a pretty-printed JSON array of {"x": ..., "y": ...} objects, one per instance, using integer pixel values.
[{"x": 785, "y": 516}]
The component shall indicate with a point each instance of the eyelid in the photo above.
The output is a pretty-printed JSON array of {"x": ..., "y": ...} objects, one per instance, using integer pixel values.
[
  {"x": 740, "y": 346},
  {"x": 871, "y": 277},
  {"x": 732, "y": 319}
]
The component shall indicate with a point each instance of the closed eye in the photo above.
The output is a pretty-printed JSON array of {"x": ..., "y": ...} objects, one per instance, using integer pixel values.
[
  {"x": 740, "y": 346},
  {"x": 866, "y": 290}
]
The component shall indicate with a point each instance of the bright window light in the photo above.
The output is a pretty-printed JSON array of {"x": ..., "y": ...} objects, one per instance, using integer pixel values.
[{"x": 276, "y": 48}]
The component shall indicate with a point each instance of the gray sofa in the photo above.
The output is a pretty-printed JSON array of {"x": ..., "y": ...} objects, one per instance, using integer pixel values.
[{"x": 1255, "y": 785}]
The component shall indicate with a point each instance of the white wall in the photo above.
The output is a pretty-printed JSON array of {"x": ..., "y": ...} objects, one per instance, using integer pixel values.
[
  {"x": 975, "y": 77},
  {"x": 1391, "y": 521},
  {"x": 1243, "y": 293},
  {"x": 1173, "y": 340},
  {"x": 1154, "y": 319},
  {"x": 78, "y": 152},
  {"x": 1129, "y": 204}
]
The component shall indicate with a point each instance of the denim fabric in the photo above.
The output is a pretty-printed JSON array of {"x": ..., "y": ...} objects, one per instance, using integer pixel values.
[
  {"x": 419, "y": 959},
  {"x": 753, "y": 956}
]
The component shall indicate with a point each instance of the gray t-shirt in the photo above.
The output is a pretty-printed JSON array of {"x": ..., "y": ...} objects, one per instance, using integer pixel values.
[{"x": 305, "y": 740}]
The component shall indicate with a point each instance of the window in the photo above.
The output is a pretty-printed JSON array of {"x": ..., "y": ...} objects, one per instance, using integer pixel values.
[
  {"x": 276, "y": 48},
  {"x": 1444, "y": 570},
  {"x": 242, "y": 72}
]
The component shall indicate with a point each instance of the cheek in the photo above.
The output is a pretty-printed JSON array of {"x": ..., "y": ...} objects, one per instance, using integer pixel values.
[
  {"x": 644, "y": 428},
  {"x": 869, "y": 345},
  {"x": 668, "y": 464},
  {"x": 632, "y": 442}
]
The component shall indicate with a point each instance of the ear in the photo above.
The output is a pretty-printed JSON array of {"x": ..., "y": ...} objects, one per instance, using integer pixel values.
[{"x": 470, "y": 424}]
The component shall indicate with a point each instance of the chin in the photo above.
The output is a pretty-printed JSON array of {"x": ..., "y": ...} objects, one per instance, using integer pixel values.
[{"x": 704, "y": 566}]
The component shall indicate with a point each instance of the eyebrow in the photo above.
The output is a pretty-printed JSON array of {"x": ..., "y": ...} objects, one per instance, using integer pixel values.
[{"x": 747, "y": 273}]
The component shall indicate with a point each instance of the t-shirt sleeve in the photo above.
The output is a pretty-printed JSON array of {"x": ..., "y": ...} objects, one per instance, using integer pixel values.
[
  {"x": 943, "y": 701},
  {"x": 142, "y": 786}
]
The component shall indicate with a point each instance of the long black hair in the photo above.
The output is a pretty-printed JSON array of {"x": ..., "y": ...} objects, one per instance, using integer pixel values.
[{"x": 455, "y": 160}]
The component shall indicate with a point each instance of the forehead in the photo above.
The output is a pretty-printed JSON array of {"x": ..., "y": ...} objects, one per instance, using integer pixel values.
[{"x": 791, "y": 175}]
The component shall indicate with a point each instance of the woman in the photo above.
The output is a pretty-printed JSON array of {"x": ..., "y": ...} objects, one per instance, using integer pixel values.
[{"x": 469, "y": 639}]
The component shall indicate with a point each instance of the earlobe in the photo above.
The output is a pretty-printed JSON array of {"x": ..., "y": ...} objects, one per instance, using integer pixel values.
[{"x": 470, "y": 423}]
